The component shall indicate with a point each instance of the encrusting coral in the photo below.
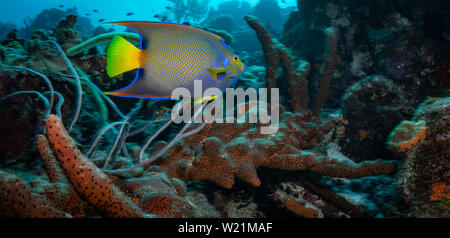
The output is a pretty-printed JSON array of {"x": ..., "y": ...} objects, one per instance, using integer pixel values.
[
  {"x": 424, "y": 178},
  {"x": 372, "y": 106},
  {"x": 440, "y": 191},
  {"x": 406, "y": 135},
  {"x": 157, "y": 194},
  {"x": 17, "y": 200},
  {"x": 223, "y": 151}
]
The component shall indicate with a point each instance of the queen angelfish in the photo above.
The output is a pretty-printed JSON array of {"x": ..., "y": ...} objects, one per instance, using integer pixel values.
[{"x": 171, "y": 56}]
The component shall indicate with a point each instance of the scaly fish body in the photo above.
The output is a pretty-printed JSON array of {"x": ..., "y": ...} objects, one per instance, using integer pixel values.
[{"x": 172, "y": 56}]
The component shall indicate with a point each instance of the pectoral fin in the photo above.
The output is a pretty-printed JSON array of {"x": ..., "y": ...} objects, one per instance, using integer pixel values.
[
  {"x": 203, "y": 99},
  {"x": 218, "y": 73}
]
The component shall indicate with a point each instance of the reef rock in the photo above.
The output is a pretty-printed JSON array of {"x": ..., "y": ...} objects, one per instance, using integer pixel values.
[
  {"x": 404, "y": 40},
  {"x": 425, "y": 176},
  {"x": 65, "y": 33},
  {"x": 372, "y": 107},
  {"x": 12, "y": 49}
]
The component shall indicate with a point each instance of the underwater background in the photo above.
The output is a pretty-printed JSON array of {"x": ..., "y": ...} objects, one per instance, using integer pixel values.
[{"x": 364, "y": 117}]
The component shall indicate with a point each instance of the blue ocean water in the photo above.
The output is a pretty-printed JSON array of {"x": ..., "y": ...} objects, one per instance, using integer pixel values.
[{"x": 15, "y": 11}]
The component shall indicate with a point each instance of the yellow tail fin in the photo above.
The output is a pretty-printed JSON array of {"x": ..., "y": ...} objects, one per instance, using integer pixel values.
[{"x": 122, "y": 56}]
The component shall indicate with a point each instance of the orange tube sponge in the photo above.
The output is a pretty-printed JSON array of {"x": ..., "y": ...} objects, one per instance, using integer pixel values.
[
  {"x": 88, "y": 180},
  {"x": 54, "y": 170},
  {"x": 65, "y": 197}
]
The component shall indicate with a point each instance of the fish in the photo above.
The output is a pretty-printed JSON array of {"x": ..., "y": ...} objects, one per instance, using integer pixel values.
[
  {"x": 130, "y": 14},
  {"x": 168, "y": 8},
  {"x": 156, "y": 16},
  {"x": 95, "y": 10},
  {"x": 171, "y": 56},
  {"x": 61, "y": 6},
  {"x": 87, "y": 14},
  {"x": 101, "y": 20}
]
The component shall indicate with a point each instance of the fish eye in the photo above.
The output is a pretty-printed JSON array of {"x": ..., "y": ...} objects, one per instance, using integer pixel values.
[{"x": 235, "y": 58}]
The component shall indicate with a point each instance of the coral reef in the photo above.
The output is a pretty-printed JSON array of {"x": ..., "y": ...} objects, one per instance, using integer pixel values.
[
  {"x": 93, "y": 42},
  {"x": 12, "y": 49},
  {"x": 424, "y": 176},
  {"x": 403, "y": 46},
  {"x": 48, "y": 19},
  {"x": 440, "y": 191},
  {"x": 253, "y": 76},
  {"x": 75, "y": 153},
  {"x": 223, "y": 151},
  {"x": 75, "y": 180},
  {"x": 276, "y": 52},
  {"x": 233, "y": 8},
  {"x": 372, "y": 107},
  {"x": 14, "y": 122},
  {"x": 65, "y": 33},
  {"x": 223, "y": 22},
  {"x": 269, "y": 12},
  {"x": 374, "y": 196},
  {"x": 406, "y": 135},
  {"x": 300, "y": 209},
  {"x": 89, "y": 181},
  {"x": 64, "y": 188},
  {"x": 328, "y": 68},
  {"x": 61, "y": 193},
  {"x": 17, "y": 200},
  {"x": 191, "y": 11},
  {"x": 297, "y": 76},
  {"x": 5, "y": 28}
]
